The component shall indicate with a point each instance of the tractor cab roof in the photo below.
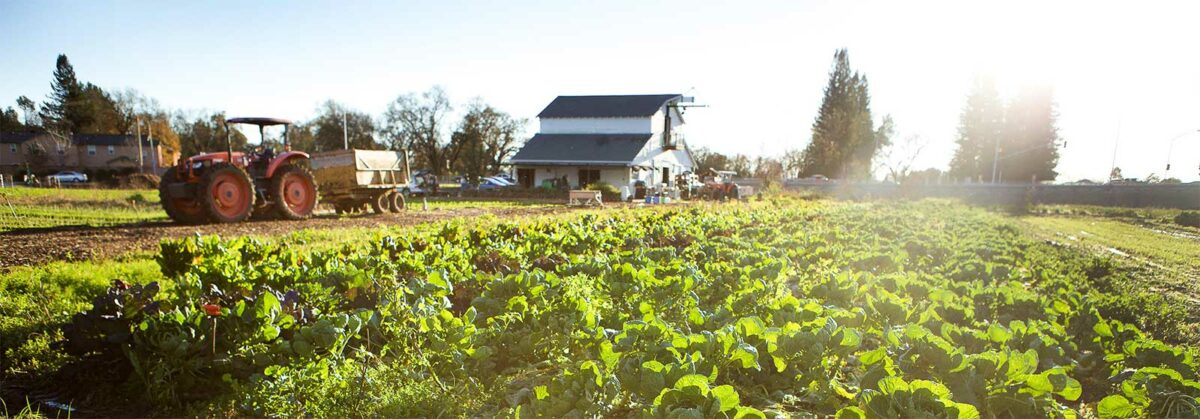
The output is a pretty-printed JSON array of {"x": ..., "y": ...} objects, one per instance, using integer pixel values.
[{"x": 262, "y": 122}]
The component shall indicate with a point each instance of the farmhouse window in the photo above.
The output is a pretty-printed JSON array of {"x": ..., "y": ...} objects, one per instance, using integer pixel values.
[
  {"x": 91, "y": 150},
  {"x": 12, "y": 148},
  {"x": 112, "y": 150},
  {"x": 588, "y": 177}
]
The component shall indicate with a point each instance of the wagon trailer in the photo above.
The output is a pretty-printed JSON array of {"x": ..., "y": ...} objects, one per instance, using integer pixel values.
[{"x": 353, "y": 180}]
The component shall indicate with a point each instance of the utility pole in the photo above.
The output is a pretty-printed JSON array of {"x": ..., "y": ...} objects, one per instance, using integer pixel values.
[
  {"x": 153, "y": 152},
  {"x": 1171, "y": 148},
  {"x": 345, "y": 136},
  {"x": 995, "y": 158},
  {"x": 1116, "y": 141},
  {"x": 141, "y": 166}
]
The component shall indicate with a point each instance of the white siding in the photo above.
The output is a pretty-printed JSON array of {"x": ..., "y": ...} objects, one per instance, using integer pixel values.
[
  {"x": 616, "y": 176},
  {"x": 657, "y": 120},
  {"x": 596, "y": 125}
]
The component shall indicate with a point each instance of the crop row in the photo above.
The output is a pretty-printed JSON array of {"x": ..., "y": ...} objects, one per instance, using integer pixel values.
[{"x": 780, "y": 308}]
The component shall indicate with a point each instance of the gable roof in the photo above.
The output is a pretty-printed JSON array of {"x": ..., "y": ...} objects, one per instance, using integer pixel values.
[
  {"x": 615, "y": 106},
  {"x": 575, "y": 149},
  {"x": 17, "y": 137},
  {"x": 101, "y": 139},
  {"x": 76, "y": 139}
]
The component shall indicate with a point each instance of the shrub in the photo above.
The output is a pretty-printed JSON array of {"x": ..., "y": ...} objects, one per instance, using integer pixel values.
[
  {"x": 608, "y": 192},
  {"x": 1188, "y": 218},
  {"x": 603, "y": 187}
]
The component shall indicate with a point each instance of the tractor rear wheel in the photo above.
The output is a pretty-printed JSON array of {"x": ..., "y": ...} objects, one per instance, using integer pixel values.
[
  {"x": 181, "y": 210},
  {"x": 397, "y": 201},
  {"x": 227, "y": 194},
  {"x": 294, "y": 192}
]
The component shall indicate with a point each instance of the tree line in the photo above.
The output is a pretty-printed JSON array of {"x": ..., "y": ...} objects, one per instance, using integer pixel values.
[
  {"x": 477, "y": 144},
  {"x": 1015, "y": 141},
  {"x": 846, "y": 141}
]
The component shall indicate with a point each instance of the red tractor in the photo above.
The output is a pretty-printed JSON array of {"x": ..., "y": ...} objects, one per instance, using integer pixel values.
[{"x": 229, "y": 186}]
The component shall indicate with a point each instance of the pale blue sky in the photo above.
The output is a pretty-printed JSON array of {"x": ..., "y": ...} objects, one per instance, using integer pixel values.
[{"x": 759, "y": 65}]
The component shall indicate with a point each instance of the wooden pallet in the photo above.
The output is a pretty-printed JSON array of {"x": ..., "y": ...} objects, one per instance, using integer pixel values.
[{"x": 584, "y": 198}]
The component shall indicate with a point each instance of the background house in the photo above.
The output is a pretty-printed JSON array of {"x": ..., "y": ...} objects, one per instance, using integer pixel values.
[
  {"x": 619, "y": 140},
  {"x": 90, "y": 153}
]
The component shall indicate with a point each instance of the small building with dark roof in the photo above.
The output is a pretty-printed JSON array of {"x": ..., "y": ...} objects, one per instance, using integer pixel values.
[
  {"x": 89, "y": 153},
  {"x": 622, "y": 140}
]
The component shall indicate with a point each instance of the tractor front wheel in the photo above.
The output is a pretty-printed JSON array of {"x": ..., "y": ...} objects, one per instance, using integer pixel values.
[
  {"x": 227, "y": 194},
  {"x": 181, "y": 210},
  {"x": 294, "y": 192}
]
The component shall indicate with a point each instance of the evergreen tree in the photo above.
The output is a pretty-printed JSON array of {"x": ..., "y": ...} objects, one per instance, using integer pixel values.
[
  {"x": 843, "y": 134},
  {"x": 60, "y": 110},
  {"x": 328, "y": 133},
  {"x": 75, "y": 107},
  {"x": 483, "y": 140},
  {"x": 301, "y": 137},
  {"x": 9, "y": 121},
  {"x": 205, "y": 133},
  {"x": 97, "y": 112},
  {"x": 979, "y": 131},
  {"x": 29, "y": 109},
  {"x": 1029, "y": 149},
  {"x": 707, "y": 160}
]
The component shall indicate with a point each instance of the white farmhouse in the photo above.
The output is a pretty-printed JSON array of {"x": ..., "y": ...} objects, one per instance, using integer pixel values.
[{"x": 619, "y": 140}]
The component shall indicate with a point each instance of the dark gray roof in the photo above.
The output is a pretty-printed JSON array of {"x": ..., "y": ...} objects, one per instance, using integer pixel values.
[
  {"x": 618, "y": 106},
  {"x": 17, "y": 137},
  {"x": 76, "y": 139},
  {"x": 106, "y": 139},
  {"x": 573, "y": 149},
  {"x": 101, "y": 139}
]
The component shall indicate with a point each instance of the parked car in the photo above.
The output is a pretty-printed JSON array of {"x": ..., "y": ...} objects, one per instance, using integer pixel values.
[
  {"x": 67, "y": 176},
  {"x": 491, "y": 183},
  {"x": 499, "y": 180},
  {"x": 506, "y": 177}
]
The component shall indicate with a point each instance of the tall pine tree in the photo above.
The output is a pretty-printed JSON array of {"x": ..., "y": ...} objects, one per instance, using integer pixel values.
[
  {"x": 76, "y": 107},
  {"x": 843, "y": 134},
  {"x": 979, "y": 132},
  {"x": 1029, "y": 150},
  {"x": 60, "y": 110}
]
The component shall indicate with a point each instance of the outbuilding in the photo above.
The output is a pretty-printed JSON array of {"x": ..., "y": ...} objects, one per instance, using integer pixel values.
[{"x": 620, "y": 140}]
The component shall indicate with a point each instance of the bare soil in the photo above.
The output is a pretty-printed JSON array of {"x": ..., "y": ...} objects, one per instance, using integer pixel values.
[{"x": 39, "y": 246}]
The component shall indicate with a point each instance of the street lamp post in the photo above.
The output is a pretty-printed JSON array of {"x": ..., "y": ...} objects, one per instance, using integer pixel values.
[{"x": 1171, "y": 148}]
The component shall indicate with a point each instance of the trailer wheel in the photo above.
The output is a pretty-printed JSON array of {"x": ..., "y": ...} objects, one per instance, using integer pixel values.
[
  {"x": 294, "y": 192},
  {"x": 380, "y": 203},
  {"x": 227, "y": 194},
  {"x": 181, "y": 210},
  {"x": 397, "y": 201}
]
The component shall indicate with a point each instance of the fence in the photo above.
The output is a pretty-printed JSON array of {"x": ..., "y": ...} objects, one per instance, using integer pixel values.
[{"x": 1180, "y": 196}]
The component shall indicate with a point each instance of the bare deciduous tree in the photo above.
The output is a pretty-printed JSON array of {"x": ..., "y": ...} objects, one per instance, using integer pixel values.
[
  {"x": 414, "y": 122},
  {"x": 898, "y": 159}
]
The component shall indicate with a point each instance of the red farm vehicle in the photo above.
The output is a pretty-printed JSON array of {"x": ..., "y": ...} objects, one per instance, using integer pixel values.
[
  {"x": 720, "y": 187},
  {"x": 231, "y": 186}
]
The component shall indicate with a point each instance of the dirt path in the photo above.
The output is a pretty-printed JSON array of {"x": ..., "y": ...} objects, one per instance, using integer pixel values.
[{"x": 35, "y": 247}]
